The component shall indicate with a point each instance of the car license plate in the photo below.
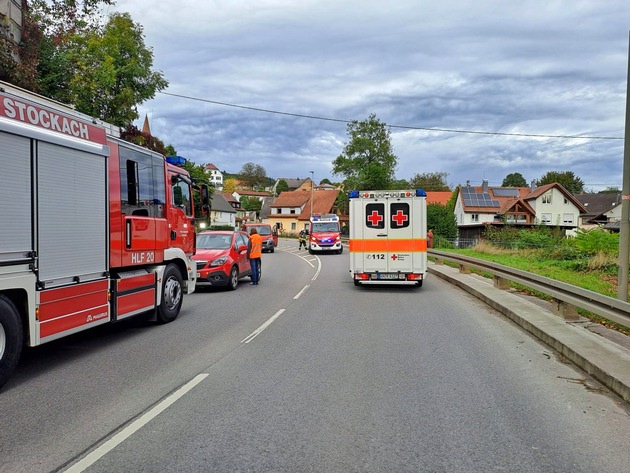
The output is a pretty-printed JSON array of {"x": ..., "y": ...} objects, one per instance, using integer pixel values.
[{"x": 388, "y": 276}]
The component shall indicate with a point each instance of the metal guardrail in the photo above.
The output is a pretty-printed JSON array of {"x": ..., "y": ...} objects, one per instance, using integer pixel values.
[{"x": 565, "y": 297}]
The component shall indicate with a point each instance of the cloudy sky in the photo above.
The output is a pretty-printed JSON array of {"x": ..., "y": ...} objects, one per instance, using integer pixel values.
[{"x": 475, "y": 89}]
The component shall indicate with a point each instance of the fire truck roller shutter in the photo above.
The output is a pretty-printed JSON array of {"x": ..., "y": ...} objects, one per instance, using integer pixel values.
[
  {"x": 16, "y": 231},
  {"x": 72, "y": 214}
]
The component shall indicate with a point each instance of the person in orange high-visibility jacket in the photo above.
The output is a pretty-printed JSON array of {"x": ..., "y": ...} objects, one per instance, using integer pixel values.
[{"x": 254, "y": 253}]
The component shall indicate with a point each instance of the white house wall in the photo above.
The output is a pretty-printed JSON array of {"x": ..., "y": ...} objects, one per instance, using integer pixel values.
[
  {"x": 466, "y": 218},
  {"x": 557, "y": 212}
]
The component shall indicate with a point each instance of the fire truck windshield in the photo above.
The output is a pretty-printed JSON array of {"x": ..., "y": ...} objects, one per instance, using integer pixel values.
[{"x": 325, "y": 227}]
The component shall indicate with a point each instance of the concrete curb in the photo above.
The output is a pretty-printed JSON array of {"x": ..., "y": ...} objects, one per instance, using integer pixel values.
[{"x": 603, "y": 359}]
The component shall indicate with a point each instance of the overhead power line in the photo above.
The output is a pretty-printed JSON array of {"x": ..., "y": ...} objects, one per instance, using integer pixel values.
[{"x": 405, "y": 127}]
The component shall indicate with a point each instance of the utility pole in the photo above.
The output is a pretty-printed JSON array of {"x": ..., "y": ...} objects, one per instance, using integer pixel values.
[
  {"x": 624, "y": 225},
  {"x": 312, "y": 186}
]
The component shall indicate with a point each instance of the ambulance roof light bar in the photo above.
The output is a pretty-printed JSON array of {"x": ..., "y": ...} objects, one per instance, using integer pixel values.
[{"x": 373, "y": 194}]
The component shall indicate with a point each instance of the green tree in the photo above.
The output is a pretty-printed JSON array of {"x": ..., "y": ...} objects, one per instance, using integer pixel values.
[
  {"x": 325, "y": 181},
  {"x": 251, "y": 204},
  {"x": 282, "y": 186},
  {"x": 50, "y": 30},
  {"x": 610, "y": 190},
  {"x": 367, "y": 160},
  {"x": 112, "y": 72},
  {"x": 441, "y": 220},
  {"x": 430, "y": 181},
  {"x": 514, "y": 179},
  {"x": 569, "y": 181},
  {"x": 253, "y": 175}
]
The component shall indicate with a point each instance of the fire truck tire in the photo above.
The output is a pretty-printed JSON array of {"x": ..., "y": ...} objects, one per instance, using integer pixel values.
[
  {"x": 11, "y": 339},
  {"x": 233, "y": 279},
  {"x": 172, "y": 295},
  {"x": 340, "y": 250}
]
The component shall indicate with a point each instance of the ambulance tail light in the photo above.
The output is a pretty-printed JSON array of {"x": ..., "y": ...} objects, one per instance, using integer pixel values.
[
  {"x": 362, "y": 276},
  {"x": 414, "y": 277}
]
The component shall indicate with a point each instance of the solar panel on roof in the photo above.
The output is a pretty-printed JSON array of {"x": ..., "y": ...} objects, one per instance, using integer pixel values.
[
  {"x": 476, "y": 199},
  {"x": 505, "y": 192}
]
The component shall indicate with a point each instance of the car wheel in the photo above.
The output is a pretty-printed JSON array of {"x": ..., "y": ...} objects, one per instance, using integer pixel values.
[
  {"x": 272, "y": 250},
  {"x": 11, "y": 339},
  {"x": 233, "y": 281},
  {"x": 172, "y": 295}
]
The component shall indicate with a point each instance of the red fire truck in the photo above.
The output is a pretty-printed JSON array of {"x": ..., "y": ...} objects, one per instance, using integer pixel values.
[{"x": 92, "y": 229}]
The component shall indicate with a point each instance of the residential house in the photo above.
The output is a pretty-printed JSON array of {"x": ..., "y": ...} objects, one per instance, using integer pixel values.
[
  {"x": 291, "y": 182},
  {"x": 263, "y": 196},
  {"x": 479, "y": 206},
  {"x": 11, "y": 17},
  {"x": 221, "y": 212},
  {"x": 216, "y": 176},
  {"x": 291, "y": 211},
  {"x": 241, "y": 214},
  {"x": 602, "y": 210}
]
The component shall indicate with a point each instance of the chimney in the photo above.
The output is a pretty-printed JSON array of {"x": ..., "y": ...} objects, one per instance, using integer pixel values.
[
  {"x": 484, "y": 186},
  {"x": 468, "y": 183},
  {"x": 532, "y": 185}
]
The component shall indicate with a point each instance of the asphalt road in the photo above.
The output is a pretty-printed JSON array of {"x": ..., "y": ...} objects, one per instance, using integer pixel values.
[{"x": 306, "y": 372}]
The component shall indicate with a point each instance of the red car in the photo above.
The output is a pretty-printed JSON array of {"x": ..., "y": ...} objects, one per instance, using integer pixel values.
[{"x": 222, "y": 258}]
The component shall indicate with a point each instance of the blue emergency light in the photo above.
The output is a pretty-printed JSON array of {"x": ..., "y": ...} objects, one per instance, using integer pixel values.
[{"x": 176, "y": 160}]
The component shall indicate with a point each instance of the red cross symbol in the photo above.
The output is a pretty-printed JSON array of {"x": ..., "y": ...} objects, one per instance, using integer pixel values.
[
  {"x": 400, "y": 217},
  {"x": 375, "y": 218},
  {"x": 394, "y": 257}
]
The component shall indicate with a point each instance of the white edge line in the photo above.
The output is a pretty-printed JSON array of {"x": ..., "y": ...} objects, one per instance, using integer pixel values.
[
  {"x": 132, "y": 428},
  {"x": 257, "y": 332},
  {"x": 297, "y": 296}
]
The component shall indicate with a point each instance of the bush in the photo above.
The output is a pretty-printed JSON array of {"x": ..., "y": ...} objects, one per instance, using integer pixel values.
[{"x": 597, "y": 240}]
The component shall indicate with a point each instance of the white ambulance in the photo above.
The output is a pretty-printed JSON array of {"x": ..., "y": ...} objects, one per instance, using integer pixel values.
[{"x": 388, "y": 237}]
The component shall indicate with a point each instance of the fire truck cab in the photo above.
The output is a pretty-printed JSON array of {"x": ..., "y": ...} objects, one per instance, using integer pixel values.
[
  {"x": 324, "y": 234},
  {"x": 388, "y": 237}
]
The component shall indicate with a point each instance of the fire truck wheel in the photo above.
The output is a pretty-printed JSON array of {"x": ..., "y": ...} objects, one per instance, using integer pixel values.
[
  {"x": 172, "y": 295},
  {"x": 233, "y": 280},
  {"x": 11, "y": 339}
]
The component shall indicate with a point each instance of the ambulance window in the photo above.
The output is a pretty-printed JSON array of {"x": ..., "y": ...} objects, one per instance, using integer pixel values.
[
  {"x": 399, "y": 215},
  {"x": 375, "y": 215}
]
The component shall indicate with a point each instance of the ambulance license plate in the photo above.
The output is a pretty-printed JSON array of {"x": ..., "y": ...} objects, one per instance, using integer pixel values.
[{"x": 388, "y": 276}]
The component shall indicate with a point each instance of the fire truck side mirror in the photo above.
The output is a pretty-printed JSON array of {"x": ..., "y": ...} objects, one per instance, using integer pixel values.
[{"x": 205, "y": 199}]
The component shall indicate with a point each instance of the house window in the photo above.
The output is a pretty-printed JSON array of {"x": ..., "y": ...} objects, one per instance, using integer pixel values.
[
  {"x": 566, "y": 201},
  {"x": 567, "y": 219},
  {"x": 474, "y": 217},
  {"x": 293, "y": 211},
  {"x": 546, "y": 219},
  {"x": 546, "y": 198},
  {"x": 293, "y": 226}
]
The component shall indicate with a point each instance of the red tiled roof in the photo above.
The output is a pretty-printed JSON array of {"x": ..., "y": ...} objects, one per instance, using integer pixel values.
[
  {"x": 323, "y": 202},
  {"x": 438, "y": 197}
]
